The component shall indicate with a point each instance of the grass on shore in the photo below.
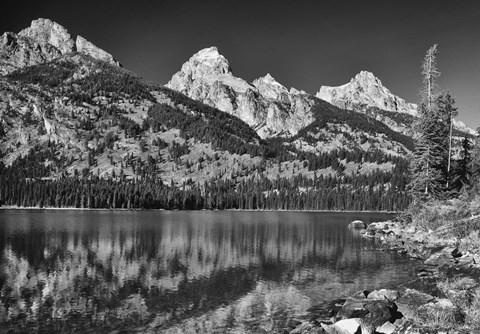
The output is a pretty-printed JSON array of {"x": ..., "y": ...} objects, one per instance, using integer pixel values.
[
  {"x": 465, "y": 294},
  {"x": 455, "y": 218}
]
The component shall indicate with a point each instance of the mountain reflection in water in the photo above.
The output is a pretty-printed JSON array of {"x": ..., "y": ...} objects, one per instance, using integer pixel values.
[{"x": 73, "y": 271}]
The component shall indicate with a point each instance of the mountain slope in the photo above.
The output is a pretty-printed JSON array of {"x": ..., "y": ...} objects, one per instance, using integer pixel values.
[{"x": 78, "y": 130}]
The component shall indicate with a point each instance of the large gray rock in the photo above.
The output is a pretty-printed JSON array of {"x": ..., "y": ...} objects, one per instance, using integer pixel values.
[
  {"x": 265, "y": 104},
  {"x": 411, "y": 300},
  {"x": 373, "y": 312},
  {"x": 386, "y": 328},
  {"x": 441, "y": 257},
  {"x": 346, "y": 326},
  {"x": 391, "y": 295},
  {"x": 358, "y": 224}
]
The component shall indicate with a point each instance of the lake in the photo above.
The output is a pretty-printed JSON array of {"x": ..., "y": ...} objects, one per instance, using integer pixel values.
[{"x": 182, "y": 271}]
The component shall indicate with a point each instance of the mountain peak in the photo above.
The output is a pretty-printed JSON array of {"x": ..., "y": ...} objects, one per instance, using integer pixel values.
[
  {"x": 366, "y": 78},
  {"x": 365, "y": 74},
  {"x": 268, "y": 77},
  {"x": 363, "y": 91},
  {"x": 44, "y": 41},
  {"x": 264, "y": 104},
  {"x": 45, "y": 31},
  {"x": 209, "y": 61},
  {"x": 208, "y": 53},
  {"x": 207, "y": 64},
  {"x": 269, "y": 87}
]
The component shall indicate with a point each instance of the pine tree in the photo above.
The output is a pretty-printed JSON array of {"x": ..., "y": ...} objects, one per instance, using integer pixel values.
[
  {"x": 475, "y": 159},
  {"x": 464, "y": 172},
  {"x": 427, "y": 158},
  {"x": 446, "y": 112}
]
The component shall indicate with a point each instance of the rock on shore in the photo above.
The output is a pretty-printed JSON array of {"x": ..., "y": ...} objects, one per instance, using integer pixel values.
[{"x": 358, "y": 224}]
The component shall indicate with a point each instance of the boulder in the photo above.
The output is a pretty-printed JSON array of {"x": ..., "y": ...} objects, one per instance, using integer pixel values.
[
  {"x": 378, "y": 226},
  {"x": 346, "y": 326},
  {"x": 441, "y": 257},
  {"x": 410, "y": 301},
  {"x": 390, "y": 295},
  {"x": 358, "y": 224},
  {"x": 372, "y": 312},
  {"x": 386, "y": 328},
  {"x": 442, "y": 310}
]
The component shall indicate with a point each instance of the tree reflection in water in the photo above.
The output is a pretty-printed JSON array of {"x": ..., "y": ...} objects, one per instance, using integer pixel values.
[{"x": 181, "y": 271}]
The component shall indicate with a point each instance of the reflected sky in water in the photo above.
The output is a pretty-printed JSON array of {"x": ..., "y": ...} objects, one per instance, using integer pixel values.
[{"x": 181, "y": 272}]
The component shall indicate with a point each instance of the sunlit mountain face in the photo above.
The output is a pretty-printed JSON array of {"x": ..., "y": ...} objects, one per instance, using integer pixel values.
[{"x": 166, "y": 271}]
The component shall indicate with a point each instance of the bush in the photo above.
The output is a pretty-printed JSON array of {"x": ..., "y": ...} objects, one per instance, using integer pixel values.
[{"x": 434, "y": 214}]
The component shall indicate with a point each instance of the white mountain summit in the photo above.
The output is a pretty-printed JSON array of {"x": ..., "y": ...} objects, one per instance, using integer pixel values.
[
  {"x": 363, "y": 91},
  {"x": 265, "y": 104},
  {"x": 271, "y": 88},
  {"x": 43, "y": 41}
]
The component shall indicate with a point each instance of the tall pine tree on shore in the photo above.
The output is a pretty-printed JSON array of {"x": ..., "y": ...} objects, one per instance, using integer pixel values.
[{"x": 432, "y": 128}]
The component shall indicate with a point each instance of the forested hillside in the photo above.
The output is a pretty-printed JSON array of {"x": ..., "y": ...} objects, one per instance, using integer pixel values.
[{"x": 78, "y": 132}]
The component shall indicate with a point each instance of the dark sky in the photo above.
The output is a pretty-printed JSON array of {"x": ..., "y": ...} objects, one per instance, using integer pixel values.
[{"x": 304, "y": 44}]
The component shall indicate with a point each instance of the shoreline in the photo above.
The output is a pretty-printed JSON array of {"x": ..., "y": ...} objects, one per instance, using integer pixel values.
[
  {"x": 201, "y": 210},
  {"x": 449, "y": 266},
  {"x": 445, "y": 297}
]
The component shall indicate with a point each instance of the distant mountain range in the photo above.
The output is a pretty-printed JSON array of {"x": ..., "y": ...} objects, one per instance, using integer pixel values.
[{"x": 69, "y": 111}]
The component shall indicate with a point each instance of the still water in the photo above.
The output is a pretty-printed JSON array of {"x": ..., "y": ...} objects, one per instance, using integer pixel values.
[{"x": 181, "y": 272}]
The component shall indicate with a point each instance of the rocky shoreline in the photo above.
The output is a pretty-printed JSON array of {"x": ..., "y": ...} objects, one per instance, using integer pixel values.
[{"x": 446, "y": 301}]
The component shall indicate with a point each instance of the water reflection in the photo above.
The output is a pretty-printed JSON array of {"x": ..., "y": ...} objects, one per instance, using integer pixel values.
[{"x": 180, "y": 271}]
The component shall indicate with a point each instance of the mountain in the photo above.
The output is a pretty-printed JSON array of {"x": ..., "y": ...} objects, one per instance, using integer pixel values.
[
  {"x": 265, "y": 105},
  {"x": 364, "y": 91},
  {"x": 76, "y": 129},
  {"x": 43, "y": 41}
]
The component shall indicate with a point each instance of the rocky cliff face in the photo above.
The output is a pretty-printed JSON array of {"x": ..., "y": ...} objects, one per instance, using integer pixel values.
[
  {"x": 364, "y": 91},
  {"x": 43, "y": 41},
  {"x": 47, "y": 32},
  {"x": 265, "y": 104},
  {"x": 88, "y": 48}
]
